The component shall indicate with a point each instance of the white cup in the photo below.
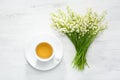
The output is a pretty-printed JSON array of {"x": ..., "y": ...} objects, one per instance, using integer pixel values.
[{"x": 46, "y": 59}]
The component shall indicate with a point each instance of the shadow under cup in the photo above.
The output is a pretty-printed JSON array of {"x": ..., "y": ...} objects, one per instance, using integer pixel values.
[{"x": 44, "y": 51}]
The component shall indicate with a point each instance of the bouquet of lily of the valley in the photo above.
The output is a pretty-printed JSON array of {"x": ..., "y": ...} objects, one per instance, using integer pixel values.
[{"x": 80, "y": 29}]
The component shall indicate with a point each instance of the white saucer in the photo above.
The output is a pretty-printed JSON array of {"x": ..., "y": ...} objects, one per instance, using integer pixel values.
[{"x": 57, "y": 47}]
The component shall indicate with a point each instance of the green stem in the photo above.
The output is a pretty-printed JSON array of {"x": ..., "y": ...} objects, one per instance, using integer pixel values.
[{"x": 79, "y": 60}]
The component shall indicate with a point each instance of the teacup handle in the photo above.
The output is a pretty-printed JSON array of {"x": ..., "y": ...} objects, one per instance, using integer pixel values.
[{"x": 57, "y": 59}]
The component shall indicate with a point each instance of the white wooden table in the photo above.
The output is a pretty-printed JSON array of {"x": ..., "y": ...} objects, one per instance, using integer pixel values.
[{"x": 21, "y": 20}]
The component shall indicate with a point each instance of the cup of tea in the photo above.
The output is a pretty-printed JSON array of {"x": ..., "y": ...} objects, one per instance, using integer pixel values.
[{"x": 44, "y": 51}]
